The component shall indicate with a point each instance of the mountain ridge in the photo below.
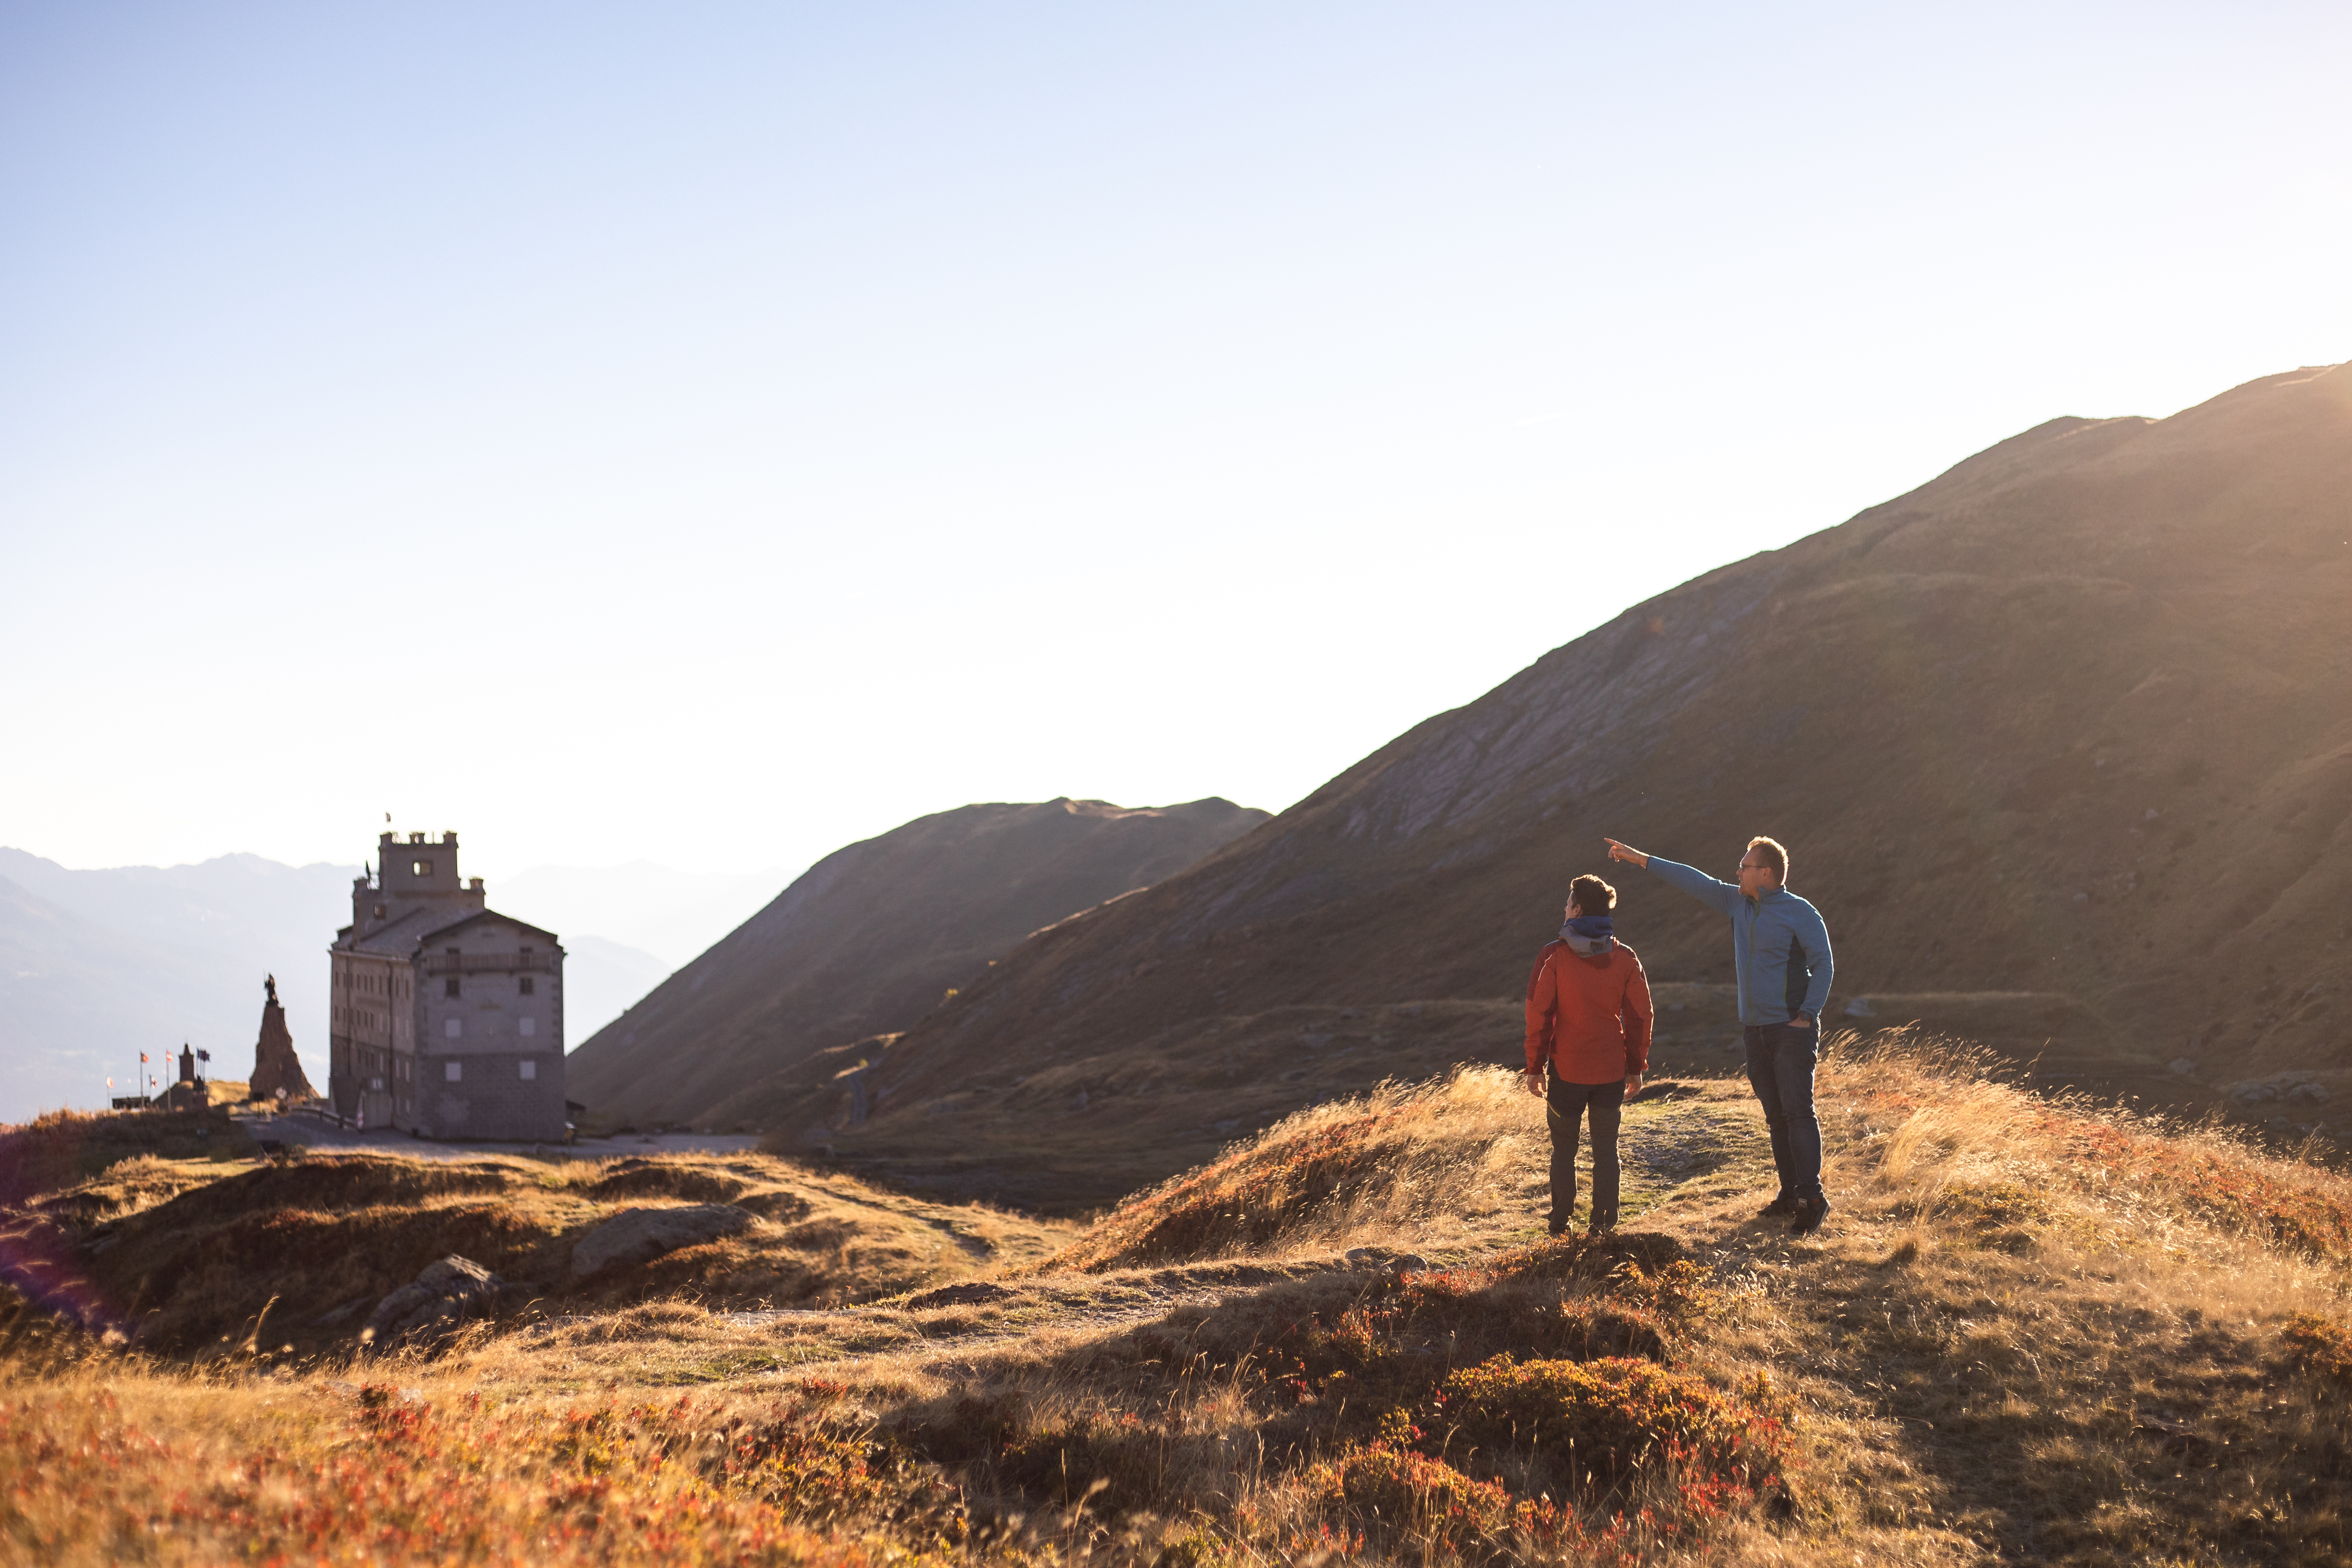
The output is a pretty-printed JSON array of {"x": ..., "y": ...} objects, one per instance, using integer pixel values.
[
  {"x": 1980, "y": 713},
  {"x": 869, "y": 939}
]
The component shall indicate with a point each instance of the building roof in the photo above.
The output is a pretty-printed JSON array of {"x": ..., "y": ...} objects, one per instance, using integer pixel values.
[
  {"x": 472, "y": 915},
  {"x": 400, "y": 938}
]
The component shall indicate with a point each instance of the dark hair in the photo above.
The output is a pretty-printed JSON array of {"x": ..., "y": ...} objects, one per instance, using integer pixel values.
[
  {"x": 1774, "y": 856},
  {"x": 1591, "y": 894}
]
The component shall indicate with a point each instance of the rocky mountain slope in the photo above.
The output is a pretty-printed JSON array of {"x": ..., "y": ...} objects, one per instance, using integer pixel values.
[
  {"x": 866, "y": 942},
  {"x": 2070, "y": 724}
]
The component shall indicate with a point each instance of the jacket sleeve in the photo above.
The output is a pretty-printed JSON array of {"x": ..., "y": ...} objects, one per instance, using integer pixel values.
[
  {"x": 1640, "y": 1018},
  {"x": 1543, "y": 1011},
  {"x": 1813, "y": 933},
  {"x": 1723, "y": 897}
]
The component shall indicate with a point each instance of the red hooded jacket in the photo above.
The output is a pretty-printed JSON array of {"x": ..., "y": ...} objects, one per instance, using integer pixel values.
[{"x": 1589, "y": 1017}]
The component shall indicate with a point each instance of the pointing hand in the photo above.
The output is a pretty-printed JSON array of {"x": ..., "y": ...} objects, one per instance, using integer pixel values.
[{"x": 1618, "y": 852}]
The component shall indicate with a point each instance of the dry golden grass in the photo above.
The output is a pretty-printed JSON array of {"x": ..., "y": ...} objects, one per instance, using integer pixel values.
[
  {"x": 1364, "y": 1171},
  {"x": 109, "y": 1470},
  {"x": 2032, "y": 1330},
  {"x": 193, "y": 1259},
  {"x": 61, "y": 1149}
]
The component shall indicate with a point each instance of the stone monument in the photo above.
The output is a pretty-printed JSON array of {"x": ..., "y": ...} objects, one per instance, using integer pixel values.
[{"x": 275, "y": 1068}]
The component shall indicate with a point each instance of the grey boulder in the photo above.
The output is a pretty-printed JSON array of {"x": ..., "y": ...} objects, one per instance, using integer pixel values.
[
  {"x": 442, "y": 1295},
  {"x": 641, "y": 1235}
]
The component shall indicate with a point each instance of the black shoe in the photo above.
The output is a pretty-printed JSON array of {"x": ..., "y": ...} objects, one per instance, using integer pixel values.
[
  {"x": 1810, "y": 1215},
  {"x": 1556, "y": 1228},
  {"x": 1784, "y": 1204}
]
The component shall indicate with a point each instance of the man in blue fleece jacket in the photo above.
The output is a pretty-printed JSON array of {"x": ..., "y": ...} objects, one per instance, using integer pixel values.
[{"x": 1781, "y": 956}]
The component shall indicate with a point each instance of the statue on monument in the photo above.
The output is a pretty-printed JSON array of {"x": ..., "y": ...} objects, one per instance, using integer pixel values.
[{"x": 277, "y": 1070}]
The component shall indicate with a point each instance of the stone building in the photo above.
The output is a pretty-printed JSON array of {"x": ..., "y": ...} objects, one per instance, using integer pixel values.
[{"x": 448, "y": 1017}]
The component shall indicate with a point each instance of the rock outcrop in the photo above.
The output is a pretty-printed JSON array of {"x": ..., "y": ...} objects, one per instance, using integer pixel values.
[
  {"x": 274, "y": 1065},
  {"x": 442, "y": 1295},
  {"x": 642, "y": 1235}
]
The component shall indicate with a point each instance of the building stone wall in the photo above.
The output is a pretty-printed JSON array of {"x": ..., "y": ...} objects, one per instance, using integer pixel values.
[
  {"x": 507, "y": 1010},
  {"x": 369, "y": 1022}
]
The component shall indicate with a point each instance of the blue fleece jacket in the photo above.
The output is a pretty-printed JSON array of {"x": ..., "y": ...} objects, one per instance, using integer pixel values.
[{"x": 1779, "y": 946}]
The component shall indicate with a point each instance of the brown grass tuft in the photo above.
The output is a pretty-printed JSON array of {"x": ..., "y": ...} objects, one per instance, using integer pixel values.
[{"x": 1360, "y": 1169}]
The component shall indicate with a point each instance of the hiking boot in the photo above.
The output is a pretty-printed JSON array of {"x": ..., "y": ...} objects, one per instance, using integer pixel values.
[
  {"x": 1810, "y": 1215},
  {"x": 1603, "y": 1224},
  {"x": 1556, "y": 1228},
  {"x": 1784, "y": 1204}
]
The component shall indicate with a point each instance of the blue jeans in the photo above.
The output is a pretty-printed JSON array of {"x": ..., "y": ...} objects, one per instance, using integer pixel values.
[{"x": 1780, "y": 1060}]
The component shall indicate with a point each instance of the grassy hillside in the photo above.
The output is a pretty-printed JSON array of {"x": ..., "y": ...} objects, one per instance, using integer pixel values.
[
  {"x": 2033, "y": 1331},
  {"x": 865, "y": 942},
  {"x": 2071, "y": 722}
]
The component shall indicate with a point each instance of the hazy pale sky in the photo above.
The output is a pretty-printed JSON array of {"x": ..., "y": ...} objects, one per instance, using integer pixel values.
[{"x": 716, "y": 433}]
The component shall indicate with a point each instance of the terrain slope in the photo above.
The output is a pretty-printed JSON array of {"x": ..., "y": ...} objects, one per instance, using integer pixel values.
[
  {"x": 865, "y": 942},
  {"x": 2070, "y": 725},
  {"x": 2031, "y": 1332}
]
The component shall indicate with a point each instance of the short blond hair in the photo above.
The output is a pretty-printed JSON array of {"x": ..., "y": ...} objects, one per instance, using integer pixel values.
[{"x": 1774, "y": 856}]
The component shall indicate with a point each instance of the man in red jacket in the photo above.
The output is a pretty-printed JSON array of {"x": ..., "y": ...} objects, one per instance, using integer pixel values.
[{"x": 1587, "y": 1044}]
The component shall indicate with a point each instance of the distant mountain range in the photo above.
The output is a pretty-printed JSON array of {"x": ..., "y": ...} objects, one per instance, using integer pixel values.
[
  {"x": 102, "y": 965},
  {"x": 98, "y": 965},
  {"x": 866, "y": 942},
  {"x": 2070, "y": 725}
]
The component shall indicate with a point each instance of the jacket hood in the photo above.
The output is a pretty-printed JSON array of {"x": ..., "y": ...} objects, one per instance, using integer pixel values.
[{"x": 1586, "y": 947}]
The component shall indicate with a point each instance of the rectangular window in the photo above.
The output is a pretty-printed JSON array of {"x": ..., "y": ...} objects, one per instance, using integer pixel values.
[
  {"x": 526, "y": 1028},
  {"x": 449, "y": 987},
  {"x": 420, "y": 868},
  {"x": 530, "y": 1069},
  {"x": 453, "y": 1071},
  {"x": 527, "y": 985},
  {"x": 452, "y": 1027}
]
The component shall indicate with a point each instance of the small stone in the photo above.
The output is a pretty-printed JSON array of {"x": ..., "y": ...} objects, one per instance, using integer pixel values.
[
  {"x": 1387, "y": 1262},
  {"x": 970, "y": 1293},
  {"x": 1222, "y": 1128},
  {"x": 1860, "y": 1007},
  {"x": 2183, "y": 1066}
]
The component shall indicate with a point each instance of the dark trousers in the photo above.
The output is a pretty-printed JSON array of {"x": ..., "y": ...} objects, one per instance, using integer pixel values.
[
  {"x": 1565, "y": 1106},
  {"x": 1781, "y": 1061}
]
